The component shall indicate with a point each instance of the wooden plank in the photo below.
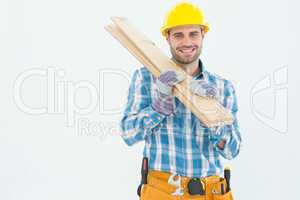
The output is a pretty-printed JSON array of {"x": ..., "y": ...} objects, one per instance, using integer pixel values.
[
  {"x": 209, "y": 111},
  {"x": 113, "y": 30},
  {"x": 145, "y": 45}
]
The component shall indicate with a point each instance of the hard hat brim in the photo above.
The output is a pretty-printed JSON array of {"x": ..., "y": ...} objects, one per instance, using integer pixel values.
[{"x": 165, "y": 30}]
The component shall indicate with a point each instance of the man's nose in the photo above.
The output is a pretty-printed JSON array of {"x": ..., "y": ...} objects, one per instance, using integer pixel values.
[{"x": 186, "y": 41}]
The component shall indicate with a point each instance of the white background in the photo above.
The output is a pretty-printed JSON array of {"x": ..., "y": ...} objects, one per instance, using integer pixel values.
[{"x": 41, "y": 157}]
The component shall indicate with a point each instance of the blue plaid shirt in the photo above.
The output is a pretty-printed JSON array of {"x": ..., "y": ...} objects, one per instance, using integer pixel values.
[{"x": 179, "y": 143}]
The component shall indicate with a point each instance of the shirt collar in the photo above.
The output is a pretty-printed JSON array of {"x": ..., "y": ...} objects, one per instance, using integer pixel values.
[{"x": 202, "y": 73}]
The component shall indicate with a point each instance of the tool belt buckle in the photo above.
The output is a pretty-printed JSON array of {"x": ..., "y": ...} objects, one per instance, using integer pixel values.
[{"x": 177, "y": 183}]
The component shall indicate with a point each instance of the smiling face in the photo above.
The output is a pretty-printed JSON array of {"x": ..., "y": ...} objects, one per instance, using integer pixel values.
[{"x": 185, "y": 43}]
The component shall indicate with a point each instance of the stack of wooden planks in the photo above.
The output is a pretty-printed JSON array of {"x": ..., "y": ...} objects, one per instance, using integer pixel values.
[{"x": 208, "y": 110}]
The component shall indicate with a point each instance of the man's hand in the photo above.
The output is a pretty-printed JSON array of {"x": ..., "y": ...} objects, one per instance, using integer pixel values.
[
  {"x": 221, "y": 144},
  {"x": 202, "y": 88},
  {"x": 163, "y": 100}
]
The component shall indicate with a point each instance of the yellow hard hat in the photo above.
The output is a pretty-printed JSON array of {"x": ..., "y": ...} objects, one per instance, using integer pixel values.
[{"x": 184, "y": 13}]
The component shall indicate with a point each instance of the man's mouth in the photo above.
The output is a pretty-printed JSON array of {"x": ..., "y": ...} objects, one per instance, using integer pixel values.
[{"x": 188, "y": 51}]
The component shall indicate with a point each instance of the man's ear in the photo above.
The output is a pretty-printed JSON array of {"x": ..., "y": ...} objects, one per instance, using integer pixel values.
[
  {"x": 202, "y": 33},
  {"x": 168, "y": 38}
]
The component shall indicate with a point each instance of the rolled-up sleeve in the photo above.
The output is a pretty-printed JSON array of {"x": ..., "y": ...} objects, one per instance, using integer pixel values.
[{"x": 139, "y": 118}]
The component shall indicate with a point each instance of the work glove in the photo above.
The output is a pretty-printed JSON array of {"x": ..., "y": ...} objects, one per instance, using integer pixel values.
[
  {"x": 203, "y": 88},
  {"x": 163, "y": 101}
]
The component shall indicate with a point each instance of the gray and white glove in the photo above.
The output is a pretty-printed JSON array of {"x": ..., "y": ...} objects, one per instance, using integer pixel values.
[
  {"x": 163, "y": 100},
  {"x": 203, "y": 88}
]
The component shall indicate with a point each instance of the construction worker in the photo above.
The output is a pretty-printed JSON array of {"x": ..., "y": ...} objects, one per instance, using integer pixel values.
[{"x": 183, "y": 155}]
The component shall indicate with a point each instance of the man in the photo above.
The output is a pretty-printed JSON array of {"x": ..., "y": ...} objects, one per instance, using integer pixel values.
[{"x": 184, "y": 155}]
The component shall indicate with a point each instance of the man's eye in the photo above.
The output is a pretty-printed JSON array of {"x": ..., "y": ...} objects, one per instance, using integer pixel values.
[
  {"x": 177, "y": 36},
  {"x": 194, "y": 34}
]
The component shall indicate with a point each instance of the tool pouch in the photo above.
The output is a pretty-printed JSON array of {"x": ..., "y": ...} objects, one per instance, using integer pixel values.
[
  {"x": 219, "y": 191},
  {"x": 158, "y": 188},
  {"x": 150, "y": 192},
  {"x": 226, "y": 196}
]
